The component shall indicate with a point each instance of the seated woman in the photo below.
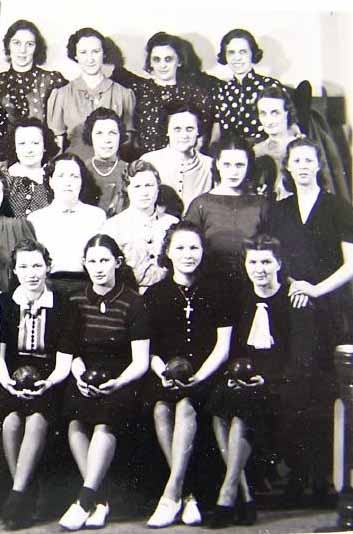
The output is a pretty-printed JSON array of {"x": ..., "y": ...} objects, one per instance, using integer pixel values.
[
  {"x": 67, "y": 223},
  {"x": 180, "y": 164},
  {"x": 271, "y": 357},
  {"x": 29, "y": 145},
  {"x": 170, "y": 80},
  {"x": 139, "y": 230},
  {"x": 189, "y": 318},
  {"x": 113, "y": 337},
  {"x": 69, "y": 106},
  {"x": 36, "y": 331},
  {"x": 103, "y": 130},
  {"x": 277, "y": 115},
  {"x": 231, "y": 211},
  {"x": 25, "y": 87}
]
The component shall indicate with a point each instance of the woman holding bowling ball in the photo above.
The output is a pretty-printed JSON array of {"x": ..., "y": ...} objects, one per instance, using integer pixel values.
[
  {"x": 270, "y": 359},
  {"x": 113, "y": 336},
  {"x": 35, "y": 356},
  {"x": 189, "y": 319}
]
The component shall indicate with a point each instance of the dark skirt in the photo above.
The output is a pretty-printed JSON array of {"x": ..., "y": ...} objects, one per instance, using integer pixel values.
[{"x": 47, "y": 404}]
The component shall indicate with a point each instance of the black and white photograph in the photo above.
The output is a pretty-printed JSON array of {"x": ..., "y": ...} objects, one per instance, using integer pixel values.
[{"x": 176, "y": 267}]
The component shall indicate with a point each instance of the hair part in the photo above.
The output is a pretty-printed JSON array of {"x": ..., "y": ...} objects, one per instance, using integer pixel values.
[
  {"x": 40, "y": 52},
  {"x": 239, "y": 33},
  {"x": 175, "y": 108},
  {"x": 85, "y": 32},
  {"x": 164, "y": 39},
  {"x": 280, "y": 93},
  {"x": 30, "y": 245},
  {"x": 296, "y": 143},
  {"x": 234, "y": 142},
  {"x": 262, "y": 242}
]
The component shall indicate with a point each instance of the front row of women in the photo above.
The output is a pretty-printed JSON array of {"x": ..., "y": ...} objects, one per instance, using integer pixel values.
[{"x": 109, "y": 325}]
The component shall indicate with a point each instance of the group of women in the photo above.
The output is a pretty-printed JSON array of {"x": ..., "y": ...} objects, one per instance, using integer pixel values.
[{"x": 248, "y": 292}]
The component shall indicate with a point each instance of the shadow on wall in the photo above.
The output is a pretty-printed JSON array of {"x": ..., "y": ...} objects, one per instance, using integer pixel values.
[
  {"x": 275, "y": 63},
  {"x": 126, "y": 43}
]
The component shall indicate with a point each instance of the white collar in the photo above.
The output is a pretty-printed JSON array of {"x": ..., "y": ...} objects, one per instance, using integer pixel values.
[{"x": 46, "y": 300}]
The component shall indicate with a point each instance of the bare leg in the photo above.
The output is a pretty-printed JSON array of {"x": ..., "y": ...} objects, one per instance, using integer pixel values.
[
  {"x": 182, "y": 447},
  {"x": 79, "y": 440},
  {"x": 164, "y": 418},
  {"x": 100, "y": 455},
  {"x": 32, "y": 446},
  {"x": 12, "y": 435},
  {"x": 238, "y": 454}
]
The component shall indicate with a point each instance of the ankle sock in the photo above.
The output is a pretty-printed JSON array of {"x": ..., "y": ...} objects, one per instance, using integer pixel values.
[{"x": 87, "y": 498}]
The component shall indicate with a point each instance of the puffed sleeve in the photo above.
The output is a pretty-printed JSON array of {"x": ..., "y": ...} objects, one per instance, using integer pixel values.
[
  {"x": 138, "y": 320},
  {"x": 55, "y": 111}
]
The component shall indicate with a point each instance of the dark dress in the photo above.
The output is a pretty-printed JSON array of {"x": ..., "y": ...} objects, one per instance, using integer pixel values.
[
  {"x": 226, "y": 220},
  {"x": 151, "y": 99},
  {"x": 105, "y": 332},
  {"x": 173, "y": 334},
  {"x": 58, "y": 337},
  {"x": 25, "y": 195}
]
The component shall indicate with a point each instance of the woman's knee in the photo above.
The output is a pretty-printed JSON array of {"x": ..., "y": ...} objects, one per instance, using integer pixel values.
[
  {"x": 36, "y": 422},
  {"x": 162, "y": 411},
  {"x": 186, "y": 410},
  {"x": 13, "y": 422}
]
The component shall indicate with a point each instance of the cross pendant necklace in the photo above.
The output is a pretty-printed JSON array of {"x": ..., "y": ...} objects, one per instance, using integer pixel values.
[
  {"x": 188, "y": 308},
  {"x": 188, "y": 298}
]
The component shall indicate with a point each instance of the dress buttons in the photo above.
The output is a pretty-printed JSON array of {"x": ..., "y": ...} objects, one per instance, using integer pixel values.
[
  {"x": 152, "y": 256},
  {"x": 188, "y": 339},
  {"x": 28, "y": 196},
  {"x": 188, "y": 329}
]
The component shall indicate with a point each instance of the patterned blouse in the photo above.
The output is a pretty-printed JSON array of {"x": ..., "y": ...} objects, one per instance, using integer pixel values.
[{"x": 25, "y": 195}]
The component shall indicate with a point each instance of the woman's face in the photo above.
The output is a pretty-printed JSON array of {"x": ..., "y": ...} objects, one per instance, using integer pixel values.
[
  {"x": 29, "y": 144},
  {"x": 105, "y": 138},
  {"x": 185, "y": 252},
  {"x": 66, "y": 180},
  {"x": 262, "y": 268},
  {"x": 31, "y": 270},
  {"x": 101, "y": 265},
  {"x": 183, "y": 131},
  {"x": 22, "y": 47},
  {"x": 89, "y": 55},
  {"x": 239, "y": 56},
  {"x": 143, "y": 191},
  {"x": 164, "y": 64},
  {"x": 272, "y": 115},
  {"x": 232, "y": 166},
  {"x": 303, "y": 165}
]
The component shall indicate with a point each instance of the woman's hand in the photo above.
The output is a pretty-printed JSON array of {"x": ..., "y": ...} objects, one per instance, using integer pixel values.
[
  {"x": 41, "y": 387},
  {"x": 301, "y": 287},
  {"x": 168, "y": 383},
  {"x": 254, "y": 381},
  {"x": 9, "y": 385},
  {"x": 109, "y": 387},
  {"x": 86, "y": 389}
]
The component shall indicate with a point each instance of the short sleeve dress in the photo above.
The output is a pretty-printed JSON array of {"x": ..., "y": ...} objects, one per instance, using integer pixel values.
[
  {"x": 105, "y": 329},
  {"x": 226, "y": 220},
  {"x": 34, "y": 339},
  {"x": 177, "y": 332}
]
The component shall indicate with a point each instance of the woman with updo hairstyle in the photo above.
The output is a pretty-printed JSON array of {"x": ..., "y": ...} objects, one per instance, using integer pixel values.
[
  {"x": 139, "y": 230},
  {"x": 30, "y": 145},
  {"x": 170, "y": 80},
  {"x": 69, "y": 106},
  {"x": 36, "y": 346},
  {"x": 235, "y": 100},
  {"x": 189, "y": 319},
  {"x": 104, "y": 131},
  {"x": 25, "y": 87},
  {"x": 232, "y": 210},
  {"x": 113, "y": 334}
]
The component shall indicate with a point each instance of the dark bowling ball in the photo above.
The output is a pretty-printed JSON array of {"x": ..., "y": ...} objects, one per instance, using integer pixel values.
[
  {"x": 95, "y": 376},
  {"x": 26, "y": 376},
  {"x": 178, "y": 368},
  {"x": 241, "y": 369}
]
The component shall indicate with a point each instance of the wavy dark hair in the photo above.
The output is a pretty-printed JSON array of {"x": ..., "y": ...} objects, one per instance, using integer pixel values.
[
  {"x": 103, "y": 240},
  {"x": 101, "y": 114},
  {"x": 30, "y": 245},
  {"x": 280, "y": 93},
  {"x": 40, "y": 52},
  {"x": 239, "y": 33},
  {"x": 234, "y": 142},
  {"x": 164, "y": 39},
  {"x": 182, "y": 226},
  {"x": 51, "y": 149},
  {"x": 139, "y": 165},
  {"x": 85, "y": 32},
  {"x": 264, "y": 242},
  {"x": 288, "y": 179},
  {"x": 173, "y": 108},
  {"x": 85, "y": 175}
]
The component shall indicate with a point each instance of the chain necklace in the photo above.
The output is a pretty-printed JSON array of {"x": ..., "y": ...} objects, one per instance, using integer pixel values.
[{"x": 183, "y": 290}]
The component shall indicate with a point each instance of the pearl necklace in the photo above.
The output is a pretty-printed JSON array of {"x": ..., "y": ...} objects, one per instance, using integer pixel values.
[{"x": 103, "y": 173}]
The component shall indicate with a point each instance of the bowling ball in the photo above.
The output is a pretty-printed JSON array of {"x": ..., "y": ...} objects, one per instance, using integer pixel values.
[
  {"x": 26, "y": 376},
  {"x": 241, "y": 369},
  {"x": 178, "y": 368},
  {"x": 95, "y": 376}
]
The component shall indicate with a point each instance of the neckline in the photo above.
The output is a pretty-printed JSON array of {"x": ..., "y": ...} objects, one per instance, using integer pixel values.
[{"x": 103, "y": 174}]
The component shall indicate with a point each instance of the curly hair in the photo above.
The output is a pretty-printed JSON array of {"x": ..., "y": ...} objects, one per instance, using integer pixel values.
[
  {"x": 239, "y": 33},
  {"x": 40, "y": 53},
  {"x": 303, "y": 141},
  {"x": 49, "y": 170},
  {"x": 172, "y": 108},
  {"x": 30, "y": 245},
  {"x": 182, "y": 226},
  {"x": 101, "y": 114},
  {"x": 85, "y": 32},
  {"x": 164, "y": 39}
]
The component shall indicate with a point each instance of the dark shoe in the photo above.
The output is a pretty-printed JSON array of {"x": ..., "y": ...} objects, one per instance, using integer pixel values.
[
  {"x": 293, "y": 492},
  {"x": 223, "y": 516},
  {"x": 246, "y": 514},
  {"x": 16, "y": 511}
]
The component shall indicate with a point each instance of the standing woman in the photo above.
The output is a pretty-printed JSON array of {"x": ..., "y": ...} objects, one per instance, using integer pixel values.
[
  {"x": 190, "y": 319},
  {"x": 69, "y": 106},
  {"x": 113, "y": 335},
  {"x": 36, "y": 330},
  {"x": 139, "y": 230},
  {"x": 316, "y": 230},
  {"x": 170, "y": 81},
  {"x": 230, "y": 212},
  {"x": 235, "y": 100},
  {"x": 30, "y": 144},
  {"x": 25, "y": 87}
]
